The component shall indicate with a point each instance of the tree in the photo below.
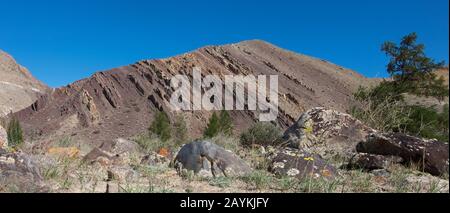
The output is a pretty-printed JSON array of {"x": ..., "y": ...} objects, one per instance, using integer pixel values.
[
  {"x": 180, "y": 130},
  {"x": 15, "y": 133},
  {"x": 412, "y": 70},
  {"x": 213, "y": 127},
  {"x": 226, "y": 124},
  {"x": 161, "y": 126}
]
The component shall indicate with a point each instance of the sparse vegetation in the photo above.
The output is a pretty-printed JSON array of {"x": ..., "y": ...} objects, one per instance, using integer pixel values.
[
  {"x": 259, "y": 179},
  {"x": 180, "y": 130},
  {"x": 261, "y": 133},
  {"x": 161, "y": 126}
]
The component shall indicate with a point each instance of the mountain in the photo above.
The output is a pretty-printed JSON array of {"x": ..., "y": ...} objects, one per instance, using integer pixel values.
[
  {"x": 121, "y": 102},
  {"x": 18, "y": 88}
]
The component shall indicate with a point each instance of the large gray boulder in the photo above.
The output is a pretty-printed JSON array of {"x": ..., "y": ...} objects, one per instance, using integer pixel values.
[
  {"x": 431, "y": 156},
  {"x": 300, "y": 164},
  {"x": 326, "y": 132},
  {"x": 208, "y": 158}
]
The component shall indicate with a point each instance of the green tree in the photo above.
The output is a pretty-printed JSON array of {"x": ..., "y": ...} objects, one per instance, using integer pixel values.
[
  {"x": 226, "y": 124},
  {"x": 412, "y": 70},
  {"x": 213, "y": 127},
  {"x": 180, "y": 130},
  {"x": 15, "y": 133},
  {"x": 161, "y": 126}
]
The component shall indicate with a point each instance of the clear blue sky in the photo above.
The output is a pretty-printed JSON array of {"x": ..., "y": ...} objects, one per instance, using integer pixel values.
[{"x": 66, "y": 40}]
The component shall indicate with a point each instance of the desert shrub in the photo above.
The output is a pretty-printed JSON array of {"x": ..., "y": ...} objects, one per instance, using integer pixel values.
[
  {"x": 228, "y": 142},
  {"x": 217, "y": 124},
  {"x": 179, "y": 130},
  {"x": 226, "y": 124},
  {"x": 152, "y": 143},
  {"x": 161, "y": 126},
  {"x": 213, "y": 127},
  {"x": 380, "y": 110},
  {"x": 15, "y": 133},
  {"x": 261, "y": 133},
  {"x": 427, "y": 122}
]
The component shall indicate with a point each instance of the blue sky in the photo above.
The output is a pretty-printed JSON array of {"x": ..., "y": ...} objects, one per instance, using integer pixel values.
[{"x": 66, "y": 40}]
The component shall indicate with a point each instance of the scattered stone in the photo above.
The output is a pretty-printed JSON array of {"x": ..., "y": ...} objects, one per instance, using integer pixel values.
[
  {"x": 204, "y": 155},
  {"x": 122, "y": 174},
  {"x": 431, "y": 156},
  {"x": 326, "y": 132},
  {"x": 427, "y": 183},
  {"x": 19, "y": 172},
  {"x": 300, "y": 164}
]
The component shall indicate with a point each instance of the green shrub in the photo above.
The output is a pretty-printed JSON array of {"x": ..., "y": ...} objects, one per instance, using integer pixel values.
[
  {"x": 219, "y": 124},
  {"x": 180, "y": 130},
  {"x": 161, "y": 126},
  {"x": 427, "y": 122},
  {"x": 213, "y": 127},
  {"x": 15, "y": 133},
  {"x": 261, "y": 133},
  {"x": 226, "y": 124}
]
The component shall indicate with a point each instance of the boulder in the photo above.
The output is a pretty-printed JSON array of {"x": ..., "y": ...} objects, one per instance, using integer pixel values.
[
  {"x": 19, "y": 172},
  {"x": 300, "y": 164},
  {"x": 125, "y": 147},
  {"x": 209, "y": 158},
  {"x": 370, "y": 162},
  {"x": 431, "y": 156},
  {"x": 326, "y": 132},
  {"x": 3, "y": 138},
  {"x": 97, "y": 155}
]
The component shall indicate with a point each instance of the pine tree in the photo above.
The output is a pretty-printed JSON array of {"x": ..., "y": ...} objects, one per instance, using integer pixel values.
[
  {"x": 180, "y": 130},
  {"x": 161, "y": 126},
  {"x": 412, "y": 70},
  {"x": 213, "y": 127},
  {"x": 15, "y": 133},
  {"x": 226, "y": 124}
]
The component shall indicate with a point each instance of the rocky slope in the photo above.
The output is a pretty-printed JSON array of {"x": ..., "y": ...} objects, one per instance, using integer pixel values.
[
  {"x": 18, "y": 88},
  {"x": 121, "y": 102}
]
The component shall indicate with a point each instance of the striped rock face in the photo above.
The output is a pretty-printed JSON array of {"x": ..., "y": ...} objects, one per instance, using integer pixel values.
[
  {"x": 18, "y": 88},
  {"x": 3, "y": 138}
]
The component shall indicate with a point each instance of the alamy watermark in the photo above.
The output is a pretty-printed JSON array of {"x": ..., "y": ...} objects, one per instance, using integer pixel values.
[{"x": 235, "y": 92}]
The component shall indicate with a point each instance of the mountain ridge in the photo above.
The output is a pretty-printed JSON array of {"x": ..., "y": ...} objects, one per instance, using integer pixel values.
[{"x": 120, "y": 102}]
